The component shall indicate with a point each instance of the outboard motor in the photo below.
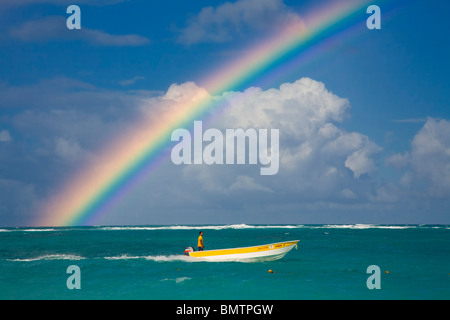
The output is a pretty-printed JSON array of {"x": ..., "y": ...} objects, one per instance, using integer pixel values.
[{"x": 187, "y": 250}]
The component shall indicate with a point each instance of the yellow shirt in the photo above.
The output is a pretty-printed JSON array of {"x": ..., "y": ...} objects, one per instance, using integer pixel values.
[{"x": 200, "y": 241}]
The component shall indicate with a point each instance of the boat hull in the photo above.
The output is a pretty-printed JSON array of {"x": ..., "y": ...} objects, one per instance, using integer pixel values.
[{"x": 267, "y": 252}]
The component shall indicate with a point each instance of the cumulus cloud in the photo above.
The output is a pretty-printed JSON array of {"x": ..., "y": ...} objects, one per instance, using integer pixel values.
[
  {"x": 306, "y": 114},
  {"x": 427, "y": 163},
  {"x": 398, "y": 160},
  {"x": 187, "y": 91},
  {"x": 430, "y": 156},
  {"x": 322, "y": 165},
  {"x": 360, "y": 161},
  {"x": 223, "y": 23},
  {"x": 318, "y": 159}
]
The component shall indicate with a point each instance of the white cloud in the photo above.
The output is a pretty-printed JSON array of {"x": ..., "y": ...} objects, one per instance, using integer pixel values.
[
  {"x": 187, "y": 91},
  {"x": 54, "y": 28},
  {"x": 131, "y": 81},
  {"x": 430, "y": 156},
  {"x": 360, "y": 161},
  {"x": 322, "y": 165},
  {"x": 427, "y": 164},
  {"x": 231, "y": 19},
  {"x": 5, "y": 136},
  {"x": 69, "y": 150},
  {"x": 303, "y": 111},
  {"x": 348, "y": 194},
  {"x": 19, "y": 3},
  {"x": 398, "y": 160},
  {"x": 101, "y": 38},
  {"x": 317, "y": 158},
  {"x": 245, "y": 183},
  {"x": 300, "y": 108},
  {"x": 410, "y": 120}
]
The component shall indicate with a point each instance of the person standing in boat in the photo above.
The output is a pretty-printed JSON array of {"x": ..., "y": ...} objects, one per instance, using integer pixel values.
[{"x": 200, "y": 241}]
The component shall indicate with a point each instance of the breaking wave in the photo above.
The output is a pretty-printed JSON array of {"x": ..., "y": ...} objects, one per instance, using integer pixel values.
[
  {"x": 202, "y": 227},
  {"x": 227, "y": 227},
  {"x": 246, "y": 226},
  {"x": 28, "y": 230},
  {"x": 177, "y": 280},
  {"x": 366, "y": 226}
]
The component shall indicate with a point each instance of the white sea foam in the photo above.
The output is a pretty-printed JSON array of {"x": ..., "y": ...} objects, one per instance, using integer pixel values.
[
  {"x": 175, "y": 257},
  {"x": 347, "y": 226},
  {"x": 241, "y": 226},
  {"x": 177, "y": 280},
  {"x": 28, "y": 230},
  {"x": 159, "y": 258},
  {"x": 202, "y": 227},
  {"x": 51, "y": 257},
  {"x": 37, "y": 230},
  {"x": 364, "y": 226},
  {"x": 123, "y": 257},
  {"x": 246, "y": 226}
]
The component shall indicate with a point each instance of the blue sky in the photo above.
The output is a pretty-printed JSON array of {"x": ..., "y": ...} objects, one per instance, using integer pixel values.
[{"x": 64, "y": 94}]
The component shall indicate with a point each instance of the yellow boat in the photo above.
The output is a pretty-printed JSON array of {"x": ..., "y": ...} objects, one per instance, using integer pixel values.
[{"x": 266, "y": 252}]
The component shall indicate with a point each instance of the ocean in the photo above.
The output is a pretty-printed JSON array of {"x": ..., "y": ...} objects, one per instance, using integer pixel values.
[{"x": 148, "y": 262}]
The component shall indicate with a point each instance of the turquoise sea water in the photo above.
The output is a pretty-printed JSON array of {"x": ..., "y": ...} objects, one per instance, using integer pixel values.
[{"x": 147, "y": 262}]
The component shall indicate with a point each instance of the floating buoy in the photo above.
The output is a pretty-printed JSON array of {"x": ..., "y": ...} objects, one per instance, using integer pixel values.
[
  {"x": 270, "y": 271},
  {"x": 387, "y": 271}
]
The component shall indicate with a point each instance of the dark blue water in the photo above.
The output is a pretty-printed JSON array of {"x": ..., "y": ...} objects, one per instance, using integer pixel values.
[{"x": 147, "y": 262}]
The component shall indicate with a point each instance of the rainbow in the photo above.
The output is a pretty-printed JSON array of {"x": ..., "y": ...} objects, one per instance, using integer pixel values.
[{"x": 92, "y": 191}]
